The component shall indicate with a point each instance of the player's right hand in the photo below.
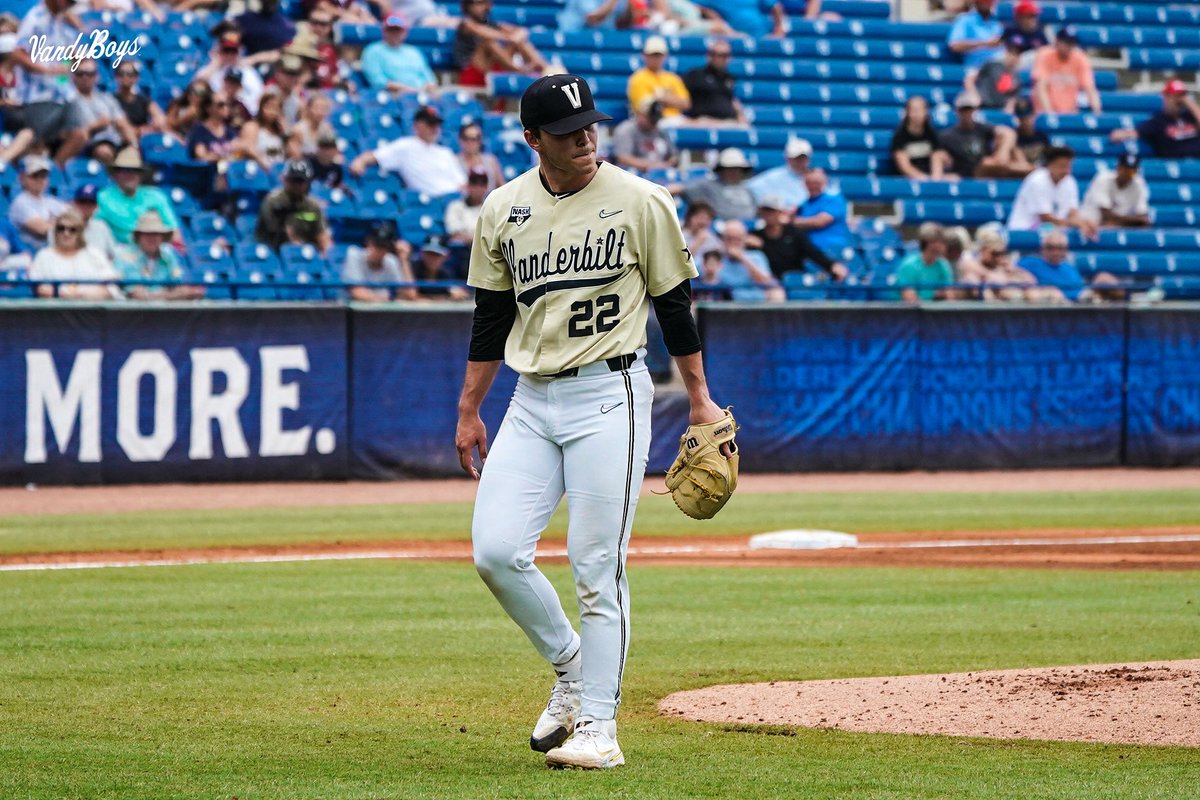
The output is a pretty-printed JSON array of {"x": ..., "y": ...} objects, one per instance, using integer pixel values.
[{"x": 471, "y": 435}]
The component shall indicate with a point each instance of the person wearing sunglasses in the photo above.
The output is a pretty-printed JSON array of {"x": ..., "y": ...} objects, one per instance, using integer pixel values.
[
  {"x": 473, "y": 157},
  {"x": 211, "y": 138},
  {"x": 103, "y": 118},
  {"x": 713, "y": 89},
  {"x": 145, "y": 115},
  {"x": 68, "y": 258}
]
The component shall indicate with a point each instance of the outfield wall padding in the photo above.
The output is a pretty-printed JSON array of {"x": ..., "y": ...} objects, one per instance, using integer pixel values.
[{"x": 127, "y": 393}]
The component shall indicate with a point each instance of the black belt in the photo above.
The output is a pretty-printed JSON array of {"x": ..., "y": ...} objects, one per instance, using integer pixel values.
[{"x": 615, "y": 364}]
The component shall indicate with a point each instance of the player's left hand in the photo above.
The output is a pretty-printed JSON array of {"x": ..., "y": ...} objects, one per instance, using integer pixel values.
[{"x": 471, "y": 435}]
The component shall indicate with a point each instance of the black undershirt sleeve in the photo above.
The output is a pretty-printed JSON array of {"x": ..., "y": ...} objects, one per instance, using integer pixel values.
[
  {"x": 495, "y": 313},
  {"x": 674, "y": 312}
]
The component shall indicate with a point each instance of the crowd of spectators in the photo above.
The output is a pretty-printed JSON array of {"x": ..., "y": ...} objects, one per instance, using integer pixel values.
[{"x": 263, "y": 97}]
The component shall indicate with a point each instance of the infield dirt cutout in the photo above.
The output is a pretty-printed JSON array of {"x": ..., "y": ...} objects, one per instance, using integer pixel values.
[{"x": 1155, "y": 702}]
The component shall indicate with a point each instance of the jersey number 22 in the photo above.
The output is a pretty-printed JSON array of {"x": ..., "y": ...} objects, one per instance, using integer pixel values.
[{"x": 606, "y": 310}]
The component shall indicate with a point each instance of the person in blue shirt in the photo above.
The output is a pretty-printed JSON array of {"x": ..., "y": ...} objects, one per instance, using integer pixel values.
[
  {"x": 787, "y": 180},
  {"x": 394, "y": 65},
  {"x": 823, "y": 216},
  {"x": 976, "y": 35},
  {"x": 756, "y": 18},
  {"x": 745, "y": 273},
  {"x": 1053, "y": 267}
]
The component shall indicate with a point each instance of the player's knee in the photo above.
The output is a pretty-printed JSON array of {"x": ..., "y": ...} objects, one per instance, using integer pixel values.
[{"x": 492, "y": 560}]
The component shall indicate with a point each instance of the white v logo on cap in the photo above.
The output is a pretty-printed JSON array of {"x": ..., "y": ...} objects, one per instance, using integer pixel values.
[{"x": 571, "y": 90}]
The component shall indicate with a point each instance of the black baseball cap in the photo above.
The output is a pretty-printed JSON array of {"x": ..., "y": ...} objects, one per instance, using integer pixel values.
[
  {"x": 383, "y": 233},
  {"x": 429, "y": 115},
  {"x": 1023, "y": 107},
  {"x": 1067, "y": 34},
  {"x": 559, "y": 104},
  {"x": 1129, "y": 161},
  {"x": 298, "y": 170}
]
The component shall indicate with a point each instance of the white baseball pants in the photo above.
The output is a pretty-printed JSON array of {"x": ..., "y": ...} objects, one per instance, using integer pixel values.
[{"x": 587, "y": 437}]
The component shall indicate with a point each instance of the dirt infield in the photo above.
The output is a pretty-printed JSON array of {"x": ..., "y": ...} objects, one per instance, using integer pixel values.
[
  {"x": 163, "y": 497},
  {"x": 1145, "y": 703}
]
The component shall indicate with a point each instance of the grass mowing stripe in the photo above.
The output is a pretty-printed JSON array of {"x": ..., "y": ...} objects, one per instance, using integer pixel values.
[
  {"x": 385, "y": 679},
  {"x": 657, "y": 516}
]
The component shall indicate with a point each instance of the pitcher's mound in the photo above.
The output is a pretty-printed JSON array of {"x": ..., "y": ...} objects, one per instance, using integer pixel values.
[{"x": 1156, "y": 702}]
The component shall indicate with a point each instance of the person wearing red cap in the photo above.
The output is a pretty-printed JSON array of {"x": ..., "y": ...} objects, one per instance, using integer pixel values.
[
  {"x": 1027, "y": 30},
  {"x": 1060, "y": 72},
  {"x": 1173, "y": 132}
]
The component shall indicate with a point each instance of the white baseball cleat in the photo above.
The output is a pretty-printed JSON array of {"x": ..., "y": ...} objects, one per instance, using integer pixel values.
[
  {"x": 593, "y": 746},
  {"x": 557, "y": 722}
]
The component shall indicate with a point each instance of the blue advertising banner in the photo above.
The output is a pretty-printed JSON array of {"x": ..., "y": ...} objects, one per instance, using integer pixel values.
[
  {"x": 156, "y": 393},
  {"x": 817, "y": 388},
  {"x": 407, "y": 372},
  {"x": 1163, "y": 401},
  {"x": 1004, "y": 388}
]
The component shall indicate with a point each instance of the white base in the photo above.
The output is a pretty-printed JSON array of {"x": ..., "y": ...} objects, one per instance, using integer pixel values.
[{"x": 802, "y": 540}]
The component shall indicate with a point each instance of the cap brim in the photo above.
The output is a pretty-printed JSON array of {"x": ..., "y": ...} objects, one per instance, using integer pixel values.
[{"x": 575, "y": 122}]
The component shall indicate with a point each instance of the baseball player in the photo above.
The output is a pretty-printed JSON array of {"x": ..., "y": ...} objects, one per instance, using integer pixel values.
[{"x": 566, "y": 261}]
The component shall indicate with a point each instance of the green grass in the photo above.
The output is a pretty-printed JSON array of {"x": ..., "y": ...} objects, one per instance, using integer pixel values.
[
  {"x": 402, "y": 680},
  {"x": 657, "y": 516}
]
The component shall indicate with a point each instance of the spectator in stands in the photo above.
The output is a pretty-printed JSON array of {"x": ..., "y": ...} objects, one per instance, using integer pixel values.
[
  {"x": 96, "y": 231},
  {"x": 290, "y": 215},
  {"x": 327, "y": 68},
  {"x": 264, "y": 29},
  {"x": 213, "y": 138},
  {"x": 600, "y": 14},
  {"x": 223, "y": 58},
  {"x": 653, "y": 81},
  {"x": 1053, "y": 267},
  {"x": 926, "y": 275},
  {"x": 712, "y": 89},
  {"x": 916, "y": 152},
  {"x": 727, "y": 193},
  {"x": 754, "y": 19},
  {"x": 12, "y": 110},
  {"x": 288, "y": 78},
  {"x": 393, "y": 65},
  {"x": 341, "y": 10},
  {"x": 378, "y": 262},
  {"x": 997, "y": 82},
  {"x": 431, "y": 266},
  {"x": 68, "y": 258},
  {"x": 33, "y": 210},
  {"x": 958, "y": 240},
  {"x": 786, "y": 247},
  {"x": 1050, "y": 196},
  {"x": 43, "y": 89},
  {"x": 327, "y": 163},
  {"x": 231, "y": 90},
  {"x": 710, "y": 274},
  {"x": 423, "y": 163},
  {"x": 980, "y": 150},
  {"x": 698, "y": 232},
  {"x": 150, "y": 259},
  {"x": 786, "y": 182},
  {"x": 1031, "y": 142},
  {"x": 184, "y": 111},
  {"x": 463, "y": 213},
  {"x": 991, "y": 266},
  {"x": 1173, "y": 132},
  {"x": 975, "y": 35},
  {"x": 264, "y": 138},
  {"x": 637, "y": 143},
  {"x": 687, "y": 18},
  {"x": 124, "y": 201},
  {"x": 313, "y": 124},
  {"x": 1060, "y": 72},
  {"x": 1118, "y": 198},
  {"x": 100, "y": 114},
  {"x": 1027, "y": 31},
  {"x": 823, "y": 216},
  {"x": 473, "y": 157},
  {"x": 743, "y": 270},
  {"x": 482, "y": 45},
  {"x": 143, "y": 114},
  {"x": 423, "y": 14}
]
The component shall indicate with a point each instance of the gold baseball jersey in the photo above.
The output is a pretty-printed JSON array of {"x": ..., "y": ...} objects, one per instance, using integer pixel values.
[{"x": 582, "y": 266}]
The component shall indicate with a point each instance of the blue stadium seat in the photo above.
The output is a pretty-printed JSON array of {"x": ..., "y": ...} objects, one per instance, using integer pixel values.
[
  {"x": 255, "y": 284},
  {"x": 256, "y": 255},
  {"x": 245, "y": 224},
  {"x": 210, "y": 225},
  {"x": 952, "y": 211}
]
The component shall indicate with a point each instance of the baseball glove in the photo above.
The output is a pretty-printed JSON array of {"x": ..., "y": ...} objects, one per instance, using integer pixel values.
[{"x": 702, "y": 479}]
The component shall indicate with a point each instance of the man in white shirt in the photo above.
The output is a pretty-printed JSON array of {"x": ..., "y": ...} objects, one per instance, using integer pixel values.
[
  {"x": 1118, "y": 199},
  {"x": 422, "y": 163},
  {"x": 787, "y": 180},
  {"x": 1050, "y": 196},
  {"x": 33, "y": 210}
]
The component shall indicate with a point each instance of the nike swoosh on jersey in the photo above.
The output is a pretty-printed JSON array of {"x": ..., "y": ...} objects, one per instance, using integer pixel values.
[
  {"x": 607, "y": 408},
  {"x": 531, "y": 294},
  {"x": 610, "y": 214}
]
